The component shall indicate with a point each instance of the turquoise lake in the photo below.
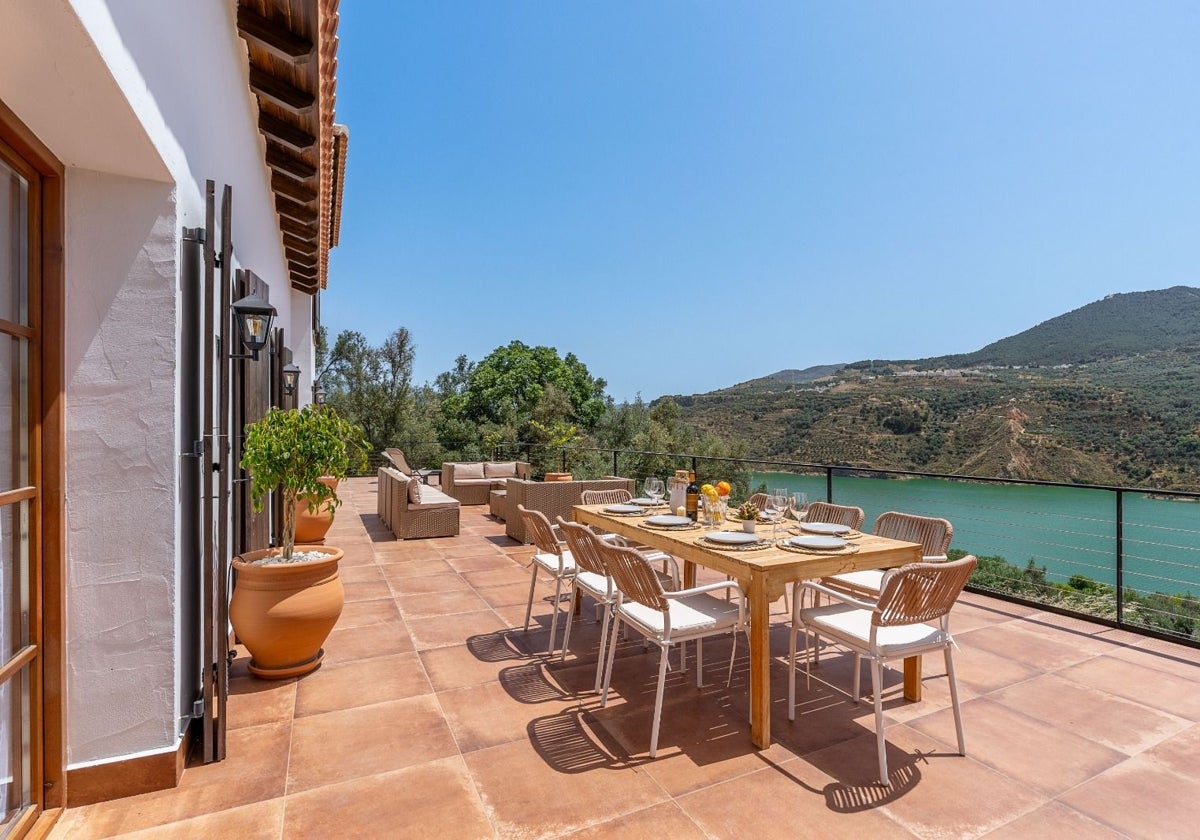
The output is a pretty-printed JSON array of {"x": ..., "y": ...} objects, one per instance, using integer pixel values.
[{"x": 1068, "y": 530}]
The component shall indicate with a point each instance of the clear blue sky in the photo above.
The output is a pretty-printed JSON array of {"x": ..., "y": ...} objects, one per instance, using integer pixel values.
[{"x": 691, "y": 194}]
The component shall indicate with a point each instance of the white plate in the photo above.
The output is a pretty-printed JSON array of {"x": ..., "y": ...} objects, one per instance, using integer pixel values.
[
  {"x": 645, "y": 502},
  {"x": 817, "y": 542},
  {"x": 824, "y": 528},
  {"x": 667, "y": 519},
  {"x": 732, "y": 537},
  {"x": 622, "y": 509}
]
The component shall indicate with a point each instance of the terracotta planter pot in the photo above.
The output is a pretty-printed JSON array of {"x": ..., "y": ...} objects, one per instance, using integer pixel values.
[
  {"x": 283, "y": 613},
  {"x": 311, "y": 528}
]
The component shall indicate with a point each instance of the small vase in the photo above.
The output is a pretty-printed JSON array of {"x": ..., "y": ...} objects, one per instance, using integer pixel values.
[{"x": 748, "y": 526}]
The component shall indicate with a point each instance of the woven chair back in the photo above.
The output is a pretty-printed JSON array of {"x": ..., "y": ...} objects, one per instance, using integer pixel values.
[
  {"x": 582, "y": 543},
  {"x": 851, "y": 517},
  {"x": 537, "y": 526},
  {"x": 921, "y": 592},
  {"x": 605, "y": 497},
  {"x": 397, "y": 457},
  {"x": 759, "y": 500},
  {"x": 932, "y": 533},
  {"x": 634, "y": 576}
]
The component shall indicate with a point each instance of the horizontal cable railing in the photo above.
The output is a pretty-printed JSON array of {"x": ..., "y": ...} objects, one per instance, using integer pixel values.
[{"x": 1124, "y": 556}]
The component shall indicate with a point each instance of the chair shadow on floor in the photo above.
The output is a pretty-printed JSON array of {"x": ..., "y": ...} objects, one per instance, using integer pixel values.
[
  {"x": 499, "y": 646},
  {"x": 573, "y": 741}
]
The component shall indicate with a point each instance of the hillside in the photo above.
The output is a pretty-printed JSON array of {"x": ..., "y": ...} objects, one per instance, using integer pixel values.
[{"x": 1107, "y": 393}]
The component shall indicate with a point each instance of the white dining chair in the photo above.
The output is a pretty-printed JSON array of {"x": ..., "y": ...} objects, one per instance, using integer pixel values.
[
  {"x": 667, "y": 618},
  {"x": 552, "y": 556},
  {"x": 894, "y": 627}
]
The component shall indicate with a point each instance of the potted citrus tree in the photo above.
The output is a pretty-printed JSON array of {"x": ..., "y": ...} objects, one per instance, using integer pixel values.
[{"x": 286, "y": 602}]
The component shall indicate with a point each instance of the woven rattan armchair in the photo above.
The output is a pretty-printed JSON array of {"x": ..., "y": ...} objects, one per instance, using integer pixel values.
[
  {"x": 411, "y": 510},
  {"x": 894, "y": 627},
  {"x": 932, "y": 533},
  {"x": 591, "y": 577},
  {"x": 553, "y": 498},
  {"x": 616, "y": 496}
]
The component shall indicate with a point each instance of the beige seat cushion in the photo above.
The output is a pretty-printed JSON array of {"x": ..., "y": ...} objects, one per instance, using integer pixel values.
[
  {"x": 468, "y": 471},
  {"x": 474, "y": 482},
  {"x": 501, "y": 469},
  {"x": 414, "y": 491}
]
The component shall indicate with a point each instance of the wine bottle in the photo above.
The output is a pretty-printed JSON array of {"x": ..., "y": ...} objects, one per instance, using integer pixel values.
[{"x": 693, "y": 496}]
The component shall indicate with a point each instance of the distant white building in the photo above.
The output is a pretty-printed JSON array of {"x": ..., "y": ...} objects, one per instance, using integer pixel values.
[{"x": 114, "y": 116}]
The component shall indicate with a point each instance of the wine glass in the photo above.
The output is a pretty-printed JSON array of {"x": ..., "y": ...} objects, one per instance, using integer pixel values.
[
  {"x": 799, "y": 506},
  {"x": 654, "y": 489},
  {"x": 779, "y": 501}
]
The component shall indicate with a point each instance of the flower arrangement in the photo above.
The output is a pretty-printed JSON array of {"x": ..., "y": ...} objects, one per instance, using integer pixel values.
[{"x": 747, "y": 511}]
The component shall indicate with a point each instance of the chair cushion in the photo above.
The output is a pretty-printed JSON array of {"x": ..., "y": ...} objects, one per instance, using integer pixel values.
[
  {"x": 867, "y": 580},
  {"x": 594, "y": 583},
  {"x": 473, "y": 482},
  {"x": 501, "y": 469},
  {"x": 427, "y": 505},
  {"x": 549, "y": 562},
  {"x": 474, "y": 470},
  {"x": 414, "y": 491},
  {"x": 689, "y": 614},
  {"x": 852, "y": 625},
  {"x": 434, "y": 496}
]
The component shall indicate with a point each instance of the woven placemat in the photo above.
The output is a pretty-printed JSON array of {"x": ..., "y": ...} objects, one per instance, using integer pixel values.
[
  {"x": 817, "y": 552},
  {"x": 623, "y": 513},
  {"x": 691, "y": 526},
  {"x": 720, "y": 546},
  {"x": 800, "y": 532}
]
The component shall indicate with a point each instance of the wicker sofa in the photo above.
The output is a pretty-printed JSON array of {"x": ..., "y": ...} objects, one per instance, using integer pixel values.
[
  {"x": 472, "y": 482},
  {"x": 553, "y": 498},
  {"x": 412, "y": 510}
]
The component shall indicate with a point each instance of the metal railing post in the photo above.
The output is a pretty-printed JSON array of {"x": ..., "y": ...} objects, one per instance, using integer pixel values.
[
  {"x": 564, "y": 460},
  {"x": 614, "y": 472},
  {"x": 829, "y": 484},
  {"x": 1120, "y": 558}
]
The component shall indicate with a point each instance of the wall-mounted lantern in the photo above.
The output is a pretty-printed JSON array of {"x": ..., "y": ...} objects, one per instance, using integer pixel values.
[
  {"x": 254, "y": 316},
  {"x": 318, "y": 392},
  {"x": 291, "y": 375}
]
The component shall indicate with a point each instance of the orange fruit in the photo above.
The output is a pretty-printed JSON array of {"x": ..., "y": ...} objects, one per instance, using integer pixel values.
[{"x": 723, "y": 488}]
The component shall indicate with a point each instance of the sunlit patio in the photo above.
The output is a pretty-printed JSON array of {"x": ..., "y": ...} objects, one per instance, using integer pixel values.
[{"x": 436, "y": 715}]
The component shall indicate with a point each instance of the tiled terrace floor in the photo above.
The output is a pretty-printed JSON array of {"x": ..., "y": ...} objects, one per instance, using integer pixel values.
[{"x": 433, "y": 717}]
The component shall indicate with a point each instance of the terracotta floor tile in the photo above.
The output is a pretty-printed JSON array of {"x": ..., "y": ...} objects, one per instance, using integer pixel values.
[
  {"x": 362, "y": 613},
  {"x": 512, "y": 595},
  {"x": 1034, "y": 647},
  {"x": 254, "y": 771},
  {"x": 493, "y": 713},
  {"x": 442, "y": 630},
  {"x": 793, "y": 800},
  {"x": 1140, "y": 798},
  {"x": 1094, "y": 714},
  {"x": 479, "y": 660},
  {"x": 428, "y": 584},
  {"x": 346, "y": 644},
  {"x": 1054, "y": 820},
  {"x": 1162, "y": 690},
  {"x": 666, "y": 820},
  {"x": 441, "y": 604},
  {"x": 260, "y": 821},
  {"x": 367, "y": 590},
  {"x": 1181, "y": 753},
  {"x": 432, "y": 799},
  {"x": 1023, "y": 746},
  {"x": 395, "y": 572},
  {"x": 511, "y": 573},
  {"x": 253, "y": 702},
  {"x": 361, "y": 683},
  {"x": 365, "y": 741},
  {"x": 930, "y": 784},
  {"x": 982, "y": 671},
  {"x": 515, "y": 780},
  {"x": 482, "y": 563}
]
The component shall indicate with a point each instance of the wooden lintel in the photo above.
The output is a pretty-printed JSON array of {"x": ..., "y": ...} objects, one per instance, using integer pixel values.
[
  {"x": 285, "y": 132},
  {"x": 280, "y": 92},
  {"x": 274, "y": 35},
  {"x": 293, "y": 189},
  {"x": 286, "y": 163}
]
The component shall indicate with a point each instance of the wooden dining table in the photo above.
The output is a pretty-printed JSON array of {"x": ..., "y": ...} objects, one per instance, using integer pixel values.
[{"x": 764, "y": 574}]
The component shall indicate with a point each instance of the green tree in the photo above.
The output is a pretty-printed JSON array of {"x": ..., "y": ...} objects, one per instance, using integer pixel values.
[{"x": 373, "y": 385}]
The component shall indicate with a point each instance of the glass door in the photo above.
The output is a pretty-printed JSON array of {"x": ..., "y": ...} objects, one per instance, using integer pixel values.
[{"x": 19, "y": 650}]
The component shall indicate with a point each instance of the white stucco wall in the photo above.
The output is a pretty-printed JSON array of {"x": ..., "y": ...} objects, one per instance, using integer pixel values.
[{"x": 142, "y": 101}]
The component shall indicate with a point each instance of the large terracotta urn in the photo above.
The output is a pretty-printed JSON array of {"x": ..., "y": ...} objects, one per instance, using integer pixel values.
[
  {"x": 311, "y": 528},
  {"x": 283, "y": 612}
]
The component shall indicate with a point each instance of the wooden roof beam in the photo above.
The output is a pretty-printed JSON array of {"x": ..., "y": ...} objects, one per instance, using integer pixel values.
[
  {"x": 300, "y": 246},
  {"x": 284, "y": 132},
  {"x": 273, "y": 35},
  {"x": 297, "y": 229},
  {"x": 301, "y": 213},
  {"x": 286, "y": 163},
  {"x": 280, "y": 92},
  {"x": 295, "y": 190}
]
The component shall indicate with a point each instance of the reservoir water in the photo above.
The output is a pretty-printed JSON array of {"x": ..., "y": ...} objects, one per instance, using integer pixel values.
[{"x": 1069, "y": 530}]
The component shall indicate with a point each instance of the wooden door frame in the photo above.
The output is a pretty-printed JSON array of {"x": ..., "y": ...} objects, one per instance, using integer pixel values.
[{"x": 47, "y": 315}]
